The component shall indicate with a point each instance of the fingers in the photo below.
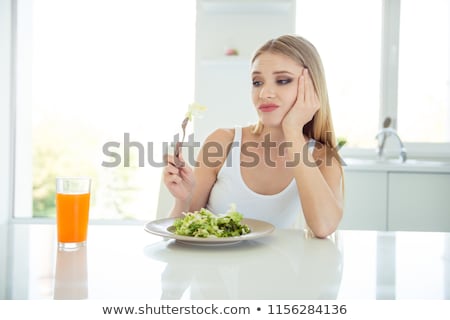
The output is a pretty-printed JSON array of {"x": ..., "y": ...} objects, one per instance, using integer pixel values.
[
  {"x": 176, "y": 160},
  {"x": 309, "y": 89},
  {"x": 311, "y": 98},
  {"x": 170, "y": 158},
  {"x": 180, "y": 162},
  {"x": 186, "y": 174},
  {"x": 179, "y": 181},
  {"x": 172, "y": 179},
  {"x": 301, "y": 87},
  {"x": 172, "y": 176},
  {"x": 173, "y": 168},
  {"x": 306, "y": 93},
  {"x": 170, "y": 168}
]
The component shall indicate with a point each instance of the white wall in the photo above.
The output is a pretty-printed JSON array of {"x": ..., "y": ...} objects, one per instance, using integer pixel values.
[
  {"x": 223, "y": 83},
  {"x": 5, "y": 110},
  {"x": 5, "y": 136}
]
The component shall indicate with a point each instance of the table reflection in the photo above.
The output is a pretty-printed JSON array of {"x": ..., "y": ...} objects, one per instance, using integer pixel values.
[
  {"x": 283, "y": 267},
  {"x": 71, "y": 276}
]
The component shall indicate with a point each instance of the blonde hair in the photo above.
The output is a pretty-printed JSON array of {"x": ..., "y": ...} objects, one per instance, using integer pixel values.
[{"x": 320, "y": 128}]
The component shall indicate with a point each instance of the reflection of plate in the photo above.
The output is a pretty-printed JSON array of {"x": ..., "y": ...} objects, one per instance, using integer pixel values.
[
  {"x": 163, "y": 227},
  {"x": 301, "y": 268}
]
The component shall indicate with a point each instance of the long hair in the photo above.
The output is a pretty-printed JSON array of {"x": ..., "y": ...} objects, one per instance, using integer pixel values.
[{"x": 320, "y": 128}]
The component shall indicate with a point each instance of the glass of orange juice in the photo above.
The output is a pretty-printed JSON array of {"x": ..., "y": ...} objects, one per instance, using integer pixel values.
[{"x": 72, "y": 211}]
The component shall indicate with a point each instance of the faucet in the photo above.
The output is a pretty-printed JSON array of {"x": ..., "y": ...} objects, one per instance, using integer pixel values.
[{"x": 382, "y": 136}]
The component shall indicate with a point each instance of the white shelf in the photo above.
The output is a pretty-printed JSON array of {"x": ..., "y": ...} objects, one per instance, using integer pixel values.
[
  {"x": 246, "y": 7},
  {"x": 225, "y": 61}
]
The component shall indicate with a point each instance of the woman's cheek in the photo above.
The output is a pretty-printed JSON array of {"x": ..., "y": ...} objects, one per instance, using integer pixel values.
[{"x": 255, "y": 96}]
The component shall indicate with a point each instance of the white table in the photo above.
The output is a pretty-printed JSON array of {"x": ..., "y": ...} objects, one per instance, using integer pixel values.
[{"x": 125, "y": 262}]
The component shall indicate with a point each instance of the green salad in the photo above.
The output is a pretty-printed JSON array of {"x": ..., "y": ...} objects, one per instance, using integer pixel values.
[{"x": 204, "y": 224}]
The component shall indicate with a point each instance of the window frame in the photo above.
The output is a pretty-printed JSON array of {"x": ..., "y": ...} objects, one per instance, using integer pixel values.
[
  {"x": 390, "y": 37},
  {"x": 7, "y": 110}
]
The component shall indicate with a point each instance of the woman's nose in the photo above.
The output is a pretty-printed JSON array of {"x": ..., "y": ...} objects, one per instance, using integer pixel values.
[{"x": 267, "y": 92}]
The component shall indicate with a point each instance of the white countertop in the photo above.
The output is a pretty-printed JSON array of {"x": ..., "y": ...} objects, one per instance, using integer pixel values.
[
  {"x": 394, "y": 165},
  {"x": 125, "y": 262}
]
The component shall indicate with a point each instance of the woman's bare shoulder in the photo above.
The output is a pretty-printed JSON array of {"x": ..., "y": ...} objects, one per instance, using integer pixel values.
[
  {"x": 222, "y": 136},
  {"x": 216, "y": 147}
]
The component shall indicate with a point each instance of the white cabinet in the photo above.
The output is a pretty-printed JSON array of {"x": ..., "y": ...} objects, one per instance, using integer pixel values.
[
  {"x": 396, "y": 201},
  {"x": 365, "y": 201},
  {"x": 223, "y": 83},
  {"x": 419, "y": 201}
]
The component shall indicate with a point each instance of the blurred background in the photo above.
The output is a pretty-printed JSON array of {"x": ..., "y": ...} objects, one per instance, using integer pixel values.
[{"x": 84, "y": 73}]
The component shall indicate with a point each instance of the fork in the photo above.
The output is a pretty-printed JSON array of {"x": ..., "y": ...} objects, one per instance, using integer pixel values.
[{"x": 178, "y": 162}]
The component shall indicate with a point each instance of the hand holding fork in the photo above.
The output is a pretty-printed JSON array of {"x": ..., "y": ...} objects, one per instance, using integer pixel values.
[{"x": 194, "y": 109}]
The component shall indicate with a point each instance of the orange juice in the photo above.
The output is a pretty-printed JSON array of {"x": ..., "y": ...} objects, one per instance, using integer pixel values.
[{"x": 72, "y": 215}]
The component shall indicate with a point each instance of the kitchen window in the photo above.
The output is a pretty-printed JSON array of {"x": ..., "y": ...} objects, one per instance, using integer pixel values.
[
  {"x": 347, "y": 35},
  {"x": 95, "y": 78},
  {"x": 423, "y": 111},
  {"x": 384, "y": 58}
]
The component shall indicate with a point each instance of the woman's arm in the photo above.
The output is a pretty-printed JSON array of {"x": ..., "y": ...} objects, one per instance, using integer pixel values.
[
  {"x": 196, "y": 184},
  {"x": 210, "y": 160},
  {"x": 318, "y": 175},
  {"x": 319, "y": 181}
]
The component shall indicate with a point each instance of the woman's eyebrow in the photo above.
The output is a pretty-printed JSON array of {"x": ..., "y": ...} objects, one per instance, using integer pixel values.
[
  {"x": 282, "y": 72},
  {"x": 275, "y": 72}
]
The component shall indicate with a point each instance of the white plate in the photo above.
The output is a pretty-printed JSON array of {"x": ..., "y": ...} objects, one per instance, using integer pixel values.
[{"x": 163, "y": 228}]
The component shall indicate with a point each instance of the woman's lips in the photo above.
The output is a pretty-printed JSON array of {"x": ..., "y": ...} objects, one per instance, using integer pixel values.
[{"x": 268, "y": 107}]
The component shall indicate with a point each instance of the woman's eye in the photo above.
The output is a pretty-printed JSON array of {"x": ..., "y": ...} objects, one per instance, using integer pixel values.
[
  {"x": 284, "y": 81},
  {"x": 256, "y": 83}
]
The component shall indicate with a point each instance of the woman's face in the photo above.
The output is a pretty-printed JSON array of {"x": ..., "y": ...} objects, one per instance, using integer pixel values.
[{"x": 275, "y": 85}]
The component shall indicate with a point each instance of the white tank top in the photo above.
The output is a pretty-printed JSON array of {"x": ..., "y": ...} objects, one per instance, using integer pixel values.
[{"x": 282, "y": 209}]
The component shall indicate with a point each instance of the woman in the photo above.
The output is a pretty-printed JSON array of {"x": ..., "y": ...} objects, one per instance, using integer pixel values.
[{"x": 284, "y": 166}]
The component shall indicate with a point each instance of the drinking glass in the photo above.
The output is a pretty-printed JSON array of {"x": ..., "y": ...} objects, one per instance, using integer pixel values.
[{"x": 72, "y": 211}]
